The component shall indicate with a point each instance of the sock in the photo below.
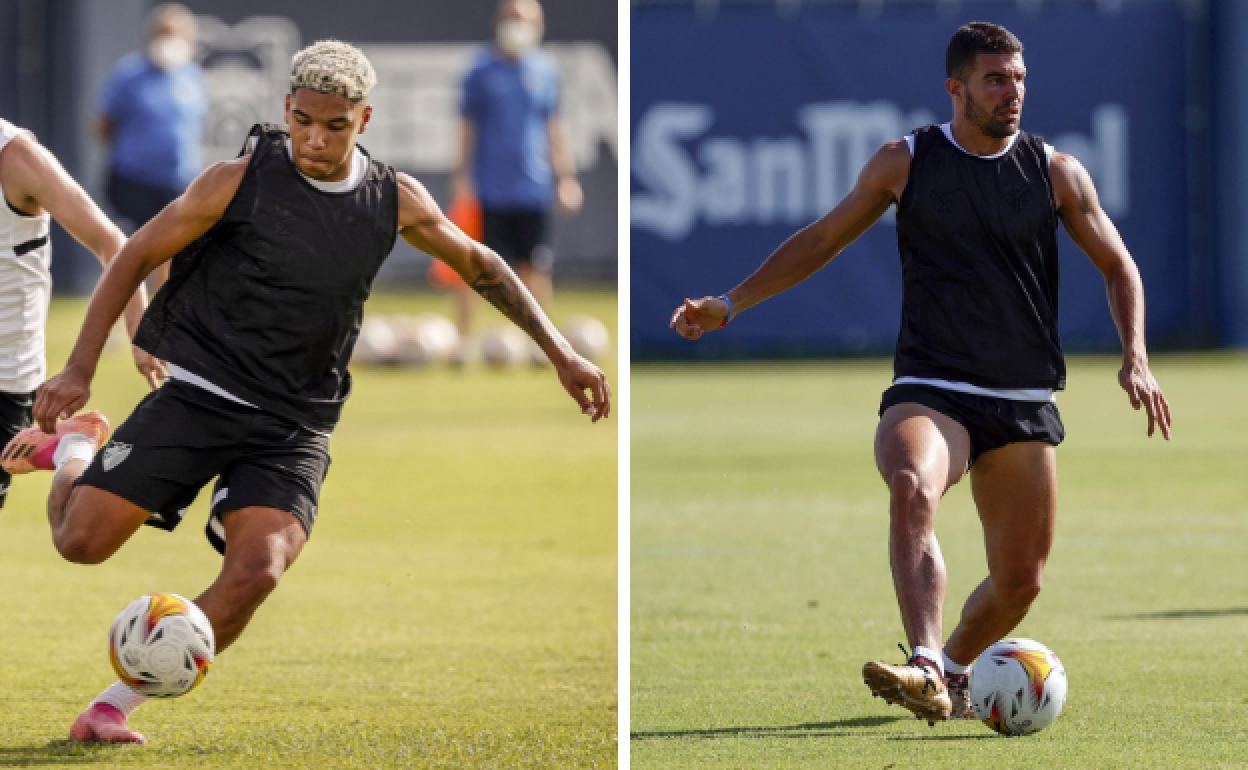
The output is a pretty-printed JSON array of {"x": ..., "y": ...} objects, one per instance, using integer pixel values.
[
  {"x": 121, "y": 697},
  {"x": 952, "y": 666},
  {"x": 73, "y": 446},
  {"x": 930, "y": 655}
]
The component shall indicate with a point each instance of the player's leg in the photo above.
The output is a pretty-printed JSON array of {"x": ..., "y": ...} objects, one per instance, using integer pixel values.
[
  {"x": 535, "y": 260},
  {"x": 263, "y": 543},
  {"x": 1015, "y": 489},
  {"x": 920, "y": 453}
]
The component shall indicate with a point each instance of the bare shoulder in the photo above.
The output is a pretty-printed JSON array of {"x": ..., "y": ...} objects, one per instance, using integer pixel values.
[
  {"x": 1071, "y": 181},
  {"x": 216, "y": 185},
  {"x": 24, "y": 155},
  {"x": 416, "y": 205},
  {"x": 888, "y": 169}
]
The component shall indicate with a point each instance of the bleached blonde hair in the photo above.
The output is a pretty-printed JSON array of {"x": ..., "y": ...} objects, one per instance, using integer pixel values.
[{"x": 333, "y": 67}]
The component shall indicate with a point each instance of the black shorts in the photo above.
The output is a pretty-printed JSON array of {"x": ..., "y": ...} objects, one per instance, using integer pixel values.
[
  {"x": 15, "y": 412},
  {"x": 181, "y": 436},
  {"x": 137, "y": 201},
  {"x": 519, "y": 236},
  {"x": 991, "y": 422}
]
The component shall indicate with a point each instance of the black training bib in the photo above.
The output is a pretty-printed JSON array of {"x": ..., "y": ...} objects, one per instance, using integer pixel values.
[
  {"x": 978, "y": 243},
  {"x": 267, "y": 304}
]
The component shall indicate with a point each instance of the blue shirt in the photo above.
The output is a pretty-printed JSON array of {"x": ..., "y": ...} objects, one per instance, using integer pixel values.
[
  {"x": 509, "y": 103},
  {"x": 157, "y": 119}
]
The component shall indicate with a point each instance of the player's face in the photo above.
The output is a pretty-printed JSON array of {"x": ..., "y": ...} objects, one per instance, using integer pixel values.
[
  {"x": 323, "y": 128},
  {"x": 992, "y": 96}
]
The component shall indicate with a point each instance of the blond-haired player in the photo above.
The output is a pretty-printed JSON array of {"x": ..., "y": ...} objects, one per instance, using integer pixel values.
[{"x": 273, "y": 256}]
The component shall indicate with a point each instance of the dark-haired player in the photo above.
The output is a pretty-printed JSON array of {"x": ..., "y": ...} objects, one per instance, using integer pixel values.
[{"x": 978, "y": 358}]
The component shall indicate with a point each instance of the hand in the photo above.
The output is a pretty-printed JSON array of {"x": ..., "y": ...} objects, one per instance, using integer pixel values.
[
  {"x": 60, "y": 397},
  {"x": 569, "y": 194},
  {"x": 151, "y": 367},
  {"x": 578, "y": 375},
  {"x": 698, "y": 316},
  {"x": 1143, "y": 390}
]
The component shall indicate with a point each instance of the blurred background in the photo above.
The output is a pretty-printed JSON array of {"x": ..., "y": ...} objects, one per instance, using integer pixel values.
[
  {"x": 56, "y": 55},
  {"x": 751, "y": 118}
]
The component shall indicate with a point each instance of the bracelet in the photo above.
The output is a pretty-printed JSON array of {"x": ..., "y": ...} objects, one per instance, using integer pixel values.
[{"x": 731, "y": 310}]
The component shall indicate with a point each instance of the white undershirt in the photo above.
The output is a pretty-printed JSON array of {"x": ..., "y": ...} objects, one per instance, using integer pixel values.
[
  {"x": 1011, "y": 394},
  {"x": 359, "y": 168}
]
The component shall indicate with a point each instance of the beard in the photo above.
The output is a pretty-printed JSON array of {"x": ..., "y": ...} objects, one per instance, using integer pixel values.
[{"x": 985, "y": 121}]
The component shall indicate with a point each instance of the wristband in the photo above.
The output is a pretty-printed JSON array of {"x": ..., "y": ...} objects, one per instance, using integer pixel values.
[{"x": 731, "y": 310}]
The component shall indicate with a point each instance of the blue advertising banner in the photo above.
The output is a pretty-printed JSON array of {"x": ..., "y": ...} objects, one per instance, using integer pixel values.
[{"x": 748, "y": 124}]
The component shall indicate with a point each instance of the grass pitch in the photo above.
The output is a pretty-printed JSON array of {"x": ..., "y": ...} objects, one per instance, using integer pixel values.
[
  {"x": 760, "y": 579},
  {"x": 455, "y": 606}
]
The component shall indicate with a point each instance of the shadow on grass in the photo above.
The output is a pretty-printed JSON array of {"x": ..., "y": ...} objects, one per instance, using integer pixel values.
[
  {"x": 57, "y": 753},
  {"x": 805, "y": 730},
  {"x": 1220, "y": 612}
]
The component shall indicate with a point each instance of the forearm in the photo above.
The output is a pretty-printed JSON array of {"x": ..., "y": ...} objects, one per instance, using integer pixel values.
[
  {"x": 794, "y": 261},
  {"x": 561, "y": 161},
  {"x": 1125, "y": 291},
  {"x": 496, "y": 282}
]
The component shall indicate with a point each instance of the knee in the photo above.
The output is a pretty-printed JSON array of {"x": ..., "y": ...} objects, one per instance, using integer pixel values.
[
  {"x": 1019, "y": 590},
  {"x": 254, "y": 578},
  {"x": 79, "y": 547},
  {"x": 911, "y": 493}
]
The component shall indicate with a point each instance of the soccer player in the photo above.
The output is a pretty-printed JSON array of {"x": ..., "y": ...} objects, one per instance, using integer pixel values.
[
  {"x": 274, "y": 254},
  {"x": 36, "y": 190},
  {"x": 978, "y": 357}
]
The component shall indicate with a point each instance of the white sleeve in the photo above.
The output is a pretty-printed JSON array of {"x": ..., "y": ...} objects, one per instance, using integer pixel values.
[
  {"x": 910, "y": 143},
  {"x": 1048, "y": 153}
]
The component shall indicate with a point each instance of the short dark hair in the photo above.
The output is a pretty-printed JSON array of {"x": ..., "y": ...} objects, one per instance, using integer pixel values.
[{"x": 973, "y": 38}]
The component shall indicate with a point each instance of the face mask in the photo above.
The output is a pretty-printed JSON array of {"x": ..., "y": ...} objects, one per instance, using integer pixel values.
[
  {"x": 515, "y": 37},
  {"x": 168, "y": 52}
]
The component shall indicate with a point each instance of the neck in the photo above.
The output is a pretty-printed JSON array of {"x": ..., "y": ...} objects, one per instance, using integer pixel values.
[{"x": 974, "y": 140}]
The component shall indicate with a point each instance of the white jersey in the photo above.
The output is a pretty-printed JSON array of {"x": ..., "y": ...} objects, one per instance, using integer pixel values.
[{"x": 25, "y": 289}]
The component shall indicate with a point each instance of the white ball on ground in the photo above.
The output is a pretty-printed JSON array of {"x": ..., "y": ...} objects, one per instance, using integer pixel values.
[
  {"x": 441, "y": 335},
  {"x": 378, "y": 343},
  {"x": 415, "y": 347},
  {"x": 588, "y": 336},
  {"x": 504, "y": 346}
]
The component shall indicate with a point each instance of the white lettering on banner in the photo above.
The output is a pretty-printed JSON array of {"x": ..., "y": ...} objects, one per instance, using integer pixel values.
[
  {"x": 416, "y": 101},
  {"x": 687, "y": 176}
]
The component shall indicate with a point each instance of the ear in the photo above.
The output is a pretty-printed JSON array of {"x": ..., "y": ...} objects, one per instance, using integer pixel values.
[
  {"x": 286, "y": 111},
  {"x": 953, "y": 87},
  {"x": 365, "y": 117}
]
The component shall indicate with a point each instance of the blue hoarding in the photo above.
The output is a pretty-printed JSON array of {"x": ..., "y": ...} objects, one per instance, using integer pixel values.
[{"x": 748, "y": 124}]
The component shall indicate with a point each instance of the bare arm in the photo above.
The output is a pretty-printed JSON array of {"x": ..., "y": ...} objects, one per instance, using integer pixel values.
[
  {"x": 567, "y": 188},
  {"x": 1091, "y": 229},
  {"x": 424, "y": 226},
  {"x": 461, "y": 174},
  {"x": 879, "y": 185},
  {"x": 170, "y": 231},
  {"x": 37, "y": 179}
]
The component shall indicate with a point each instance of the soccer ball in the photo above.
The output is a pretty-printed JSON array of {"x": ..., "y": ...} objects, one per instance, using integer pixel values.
[
  {"x": 587, "y": 336},
  {"x": 161, "y": 645},
  {"x": 1018, "y": 687}
]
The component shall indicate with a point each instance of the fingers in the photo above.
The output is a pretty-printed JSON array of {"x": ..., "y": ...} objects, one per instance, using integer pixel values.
[
  {"x": 1162, "y": 410},
  {"x": 601, "y": 390},
  {"x": 682, "y": 324}
]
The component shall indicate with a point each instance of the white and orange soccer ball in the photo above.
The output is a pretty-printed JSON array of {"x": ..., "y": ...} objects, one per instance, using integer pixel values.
[
  {"x": 1018, "y": 687},
  {"x": 161, "y": 645}
]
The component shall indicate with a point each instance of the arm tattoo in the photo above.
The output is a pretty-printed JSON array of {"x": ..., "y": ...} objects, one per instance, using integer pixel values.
[{"x": 505, "y": 292}]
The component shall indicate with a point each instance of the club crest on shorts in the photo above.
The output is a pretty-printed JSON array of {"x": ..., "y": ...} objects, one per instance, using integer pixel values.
[{"x": 114, "y": 454}]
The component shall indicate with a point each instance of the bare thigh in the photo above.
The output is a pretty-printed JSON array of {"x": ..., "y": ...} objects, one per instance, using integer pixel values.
[
  {"x": 917, "y": 438},
  {"x": 1015, "y": 490}
]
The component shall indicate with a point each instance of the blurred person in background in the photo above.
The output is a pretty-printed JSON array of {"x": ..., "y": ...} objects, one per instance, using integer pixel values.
[
  {"x": 36, "y": 189},
  {"x": 514, "y": 158},
  {"x": 151, "y": 117}
]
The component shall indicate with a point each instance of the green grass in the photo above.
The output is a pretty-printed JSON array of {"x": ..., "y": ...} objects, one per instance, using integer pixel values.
[
  {"x": 455, "y": 607},
  {"x": 760, "y": 578}
]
